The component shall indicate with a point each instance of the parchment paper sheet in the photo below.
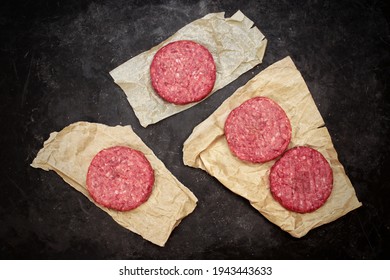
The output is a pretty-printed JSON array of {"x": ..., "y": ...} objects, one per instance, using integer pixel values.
[
  {"x": 69, "y": 153},
  {"x": 236, "y": 47},
  {"x": 206, "y": 148}
]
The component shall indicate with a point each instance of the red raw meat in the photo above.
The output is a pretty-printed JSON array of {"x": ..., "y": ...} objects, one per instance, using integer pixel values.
[
  {"x": 183, "y": 72},
  {"x": 301, "y": 180},
  {"x": 258, "y": 130},
  {"x": 120, "y": 178}
]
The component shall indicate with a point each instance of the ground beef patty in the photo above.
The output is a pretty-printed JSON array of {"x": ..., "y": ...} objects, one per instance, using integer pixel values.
[
  {"x": 183, "y": 72},
  {"x": 258, "y": 130},
  {"x": 120, "y": 178},
  {"x": 301, "y": 180}
]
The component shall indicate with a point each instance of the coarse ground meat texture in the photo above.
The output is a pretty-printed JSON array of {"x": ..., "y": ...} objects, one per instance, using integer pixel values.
[
  {"x": 183, "y": 72},
  {"x": 120, "y": 178},
  {"x": 258, "y": 130},
  {"x": 301, "y": 180}
]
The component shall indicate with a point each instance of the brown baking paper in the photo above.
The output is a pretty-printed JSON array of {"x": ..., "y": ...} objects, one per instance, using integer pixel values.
[
  {"x": 69, "y": 153},
  {"x": 236, "y": 46},
  {"x": 206, "y": 148}
]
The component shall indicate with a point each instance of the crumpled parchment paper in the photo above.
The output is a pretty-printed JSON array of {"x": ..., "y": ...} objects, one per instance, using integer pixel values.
[
  {"x": 236, "y": 46},
  {"x": 70, "y": 152},
  {"x": 206, "y": 148}
]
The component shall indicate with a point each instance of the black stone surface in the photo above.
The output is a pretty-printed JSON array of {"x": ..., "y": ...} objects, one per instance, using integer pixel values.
[{"x": 54, "y": 64}]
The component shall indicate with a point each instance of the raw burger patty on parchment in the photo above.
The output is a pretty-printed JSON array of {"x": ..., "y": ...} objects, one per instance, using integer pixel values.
[
  {"x": 120, "y": 178},
  {"x": 258, "y": 130},
  {"x": 301, "y": 180},
  {"x": 183, "y": 72}
]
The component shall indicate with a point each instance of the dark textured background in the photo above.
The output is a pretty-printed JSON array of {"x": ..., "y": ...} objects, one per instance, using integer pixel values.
[{"x": 54, "y": 64}]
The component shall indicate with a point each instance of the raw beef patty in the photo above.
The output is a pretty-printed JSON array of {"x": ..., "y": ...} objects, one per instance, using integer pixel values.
[
  {"x": 183, "y": 72},
  {"x": 258, "y": 130},
  {"x": 301, "y": 180},
  {"x": 120, "y": 178}
]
